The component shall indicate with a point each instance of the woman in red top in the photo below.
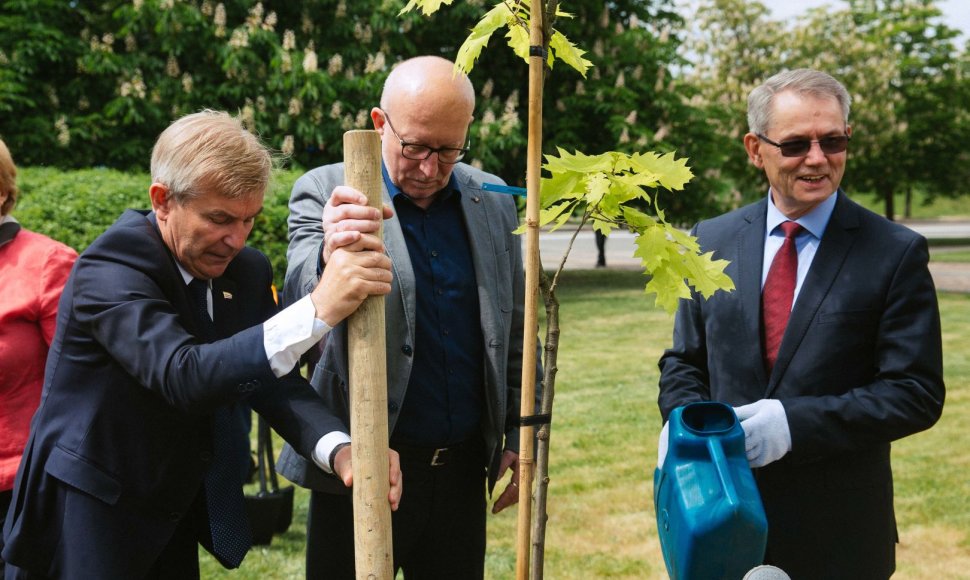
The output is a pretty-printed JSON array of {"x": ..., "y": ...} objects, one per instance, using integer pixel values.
[{"x": 33, "y": 270}]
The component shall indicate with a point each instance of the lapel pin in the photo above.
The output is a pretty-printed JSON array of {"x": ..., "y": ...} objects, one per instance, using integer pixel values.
[{"x": 227, "y": 295}]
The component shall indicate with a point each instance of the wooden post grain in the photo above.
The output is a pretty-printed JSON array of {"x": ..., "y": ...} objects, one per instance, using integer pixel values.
[
  {"x": 373, "y": 553},
  {"x": 532, "y": 265}
]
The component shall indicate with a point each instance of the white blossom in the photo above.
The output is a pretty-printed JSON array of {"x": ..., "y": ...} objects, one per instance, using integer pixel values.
[
  {"x": 296, "y": 106},
  {"x": 287, "y": 147},
  {"x": 335, "y": 110},
  {"x": 240, "y": 38},
  {"x": 375, "y": 63},
  {"x": 289, "y": 40},
  {"x": 335, "y": 64},
  {"x": 309, "y": 59},
  {"x": 487, "y": 89},
  {"x": 63, "y": 132},
  {"x": 187, "y": 83},
  {"x": 172, "y": 67}
]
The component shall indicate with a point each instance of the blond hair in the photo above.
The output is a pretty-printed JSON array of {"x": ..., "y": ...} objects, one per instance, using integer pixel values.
[
  {"x": 8, "y": 179},
  {"x": 210, "y": 150}
]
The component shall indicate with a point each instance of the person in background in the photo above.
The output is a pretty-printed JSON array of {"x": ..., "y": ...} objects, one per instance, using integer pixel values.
[
  {"x": 33, "y": 269},
  {"x": 600, "y": 248},
  {"x": 830, "y": 347},
  {"x": 166, "y": 323},
  {"x": 454, "y": 329}
]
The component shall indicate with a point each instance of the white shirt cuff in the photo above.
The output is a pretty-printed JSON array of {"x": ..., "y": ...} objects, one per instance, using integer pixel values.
[
  {"x": 321, "y": 453},
  {"x": 291, "y": 333}
]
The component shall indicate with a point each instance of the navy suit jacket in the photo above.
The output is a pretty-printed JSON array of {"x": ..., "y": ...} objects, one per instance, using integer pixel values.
[
  {"x": 860, "y": 365},
  {"x": 122, "y": 438}
]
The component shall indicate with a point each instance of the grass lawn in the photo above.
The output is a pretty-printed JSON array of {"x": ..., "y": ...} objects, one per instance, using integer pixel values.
[{"x": 601, "y": 520}]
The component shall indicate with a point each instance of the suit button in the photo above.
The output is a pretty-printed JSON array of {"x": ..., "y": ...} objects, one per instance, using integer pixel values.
[
  {"x": 406, "y": 349},
  {"x": 392, "y": 406}
]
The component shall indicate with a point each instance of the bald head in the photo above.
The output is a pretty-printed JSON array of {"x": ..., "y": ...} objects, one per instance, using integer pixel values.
[
  {"x": 424, "y": 105},
  {"x": 429, "y": 84}
]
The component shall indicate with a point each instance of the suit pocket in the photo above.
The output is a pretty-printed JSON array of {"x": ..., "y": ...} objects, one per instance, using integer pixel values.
[{"x": 77, "y": 472}]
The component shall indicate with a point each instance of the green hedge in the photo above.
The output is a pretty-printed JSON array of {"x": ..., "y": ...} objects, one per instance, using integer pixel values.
[{"x": 76, "y": 206}]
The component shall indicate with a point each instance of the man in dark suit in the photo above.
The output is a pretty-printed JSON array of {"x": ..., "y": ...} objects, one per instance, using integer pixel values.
[
  {"x": 837, "y": 357},
  {"x": 454, "y": 329},
  {"x": 168, "y": 321}
]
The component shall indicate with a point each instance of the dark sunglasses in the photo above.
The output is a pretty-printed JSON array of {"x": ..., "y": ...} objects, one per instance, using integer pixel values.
[{"x": 801, "y": 147}]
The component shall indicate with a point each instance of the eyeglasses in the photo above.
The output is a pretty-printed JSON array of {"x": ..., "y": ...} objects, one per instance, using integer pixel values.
[
  {"x": 801, "y": 147},
  {"x": 418, "y": 152}
]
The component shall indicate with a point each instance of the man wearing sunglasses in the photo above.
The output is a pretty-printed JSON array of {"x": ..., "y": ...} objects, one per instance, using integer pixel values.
[
  {"x": 828, "y": 350},
  {"x": 454, "y": 329}
]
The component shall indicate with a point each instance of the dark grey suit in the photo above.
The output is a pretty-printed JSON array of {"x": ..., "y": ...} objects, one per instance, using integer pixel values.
[
  {"x": 860, "y": 365},
  {"x": 496, "y": 252}
]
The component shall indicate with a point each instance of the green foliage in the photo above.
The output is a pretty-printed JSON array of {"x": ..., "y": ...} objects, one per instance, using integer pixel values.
[
  {"x": 604, "y": 189},
  {"x": 94, "y": 85},
  {"x": 897, "y": 58},
  {"x": 75, "y": 207}
]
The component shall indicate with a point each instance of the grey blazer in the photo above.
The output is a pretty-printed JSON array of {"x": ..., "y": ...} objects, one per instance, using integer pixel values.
[{"x": 497, "y": 257}]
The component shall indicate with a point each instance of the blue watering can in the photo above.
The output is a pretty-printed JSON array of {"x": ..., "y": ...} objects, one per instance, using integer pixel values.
[{"x": 709, "y": 513}]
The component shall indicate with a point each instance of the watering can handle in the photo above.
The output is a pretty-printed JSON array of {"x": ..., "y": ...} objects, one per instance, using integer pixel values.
[{"x": 723, "y": 471}]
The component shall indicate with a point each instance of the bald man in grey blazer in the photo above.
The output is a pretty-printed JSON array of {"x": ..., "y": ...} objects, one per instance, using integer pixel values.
[{"x": 454, "y": 329}]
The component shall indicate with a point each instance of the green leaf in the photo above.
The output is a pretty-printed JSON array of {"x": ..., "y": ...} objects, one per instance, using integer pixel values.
[
  {"x": 519, "y": 41},
  {"x": 558, "y": 213},
  {"x": 471, "y": 49},
  {"x": 579, "y": 162},
  {"x": 428, "y": 7},
  {"x": 569, "y": 53},
  {"x": 637, "y": 220},
  {"x": 597, "y": 187},
  {"x": 565, "y": 185},
  {"x": 669, "y": 289},
  {"x": 671, "y": 173}
]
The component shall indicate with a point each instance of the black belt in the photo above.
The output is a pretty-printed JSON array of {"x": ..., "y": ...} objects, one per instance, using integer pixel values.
[{"x": 433, "y": 456}]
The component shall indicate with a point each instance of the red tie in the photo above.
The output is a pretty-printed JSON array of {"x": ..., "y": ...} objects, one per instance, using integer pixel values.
[{"x": 776, "y": 299}]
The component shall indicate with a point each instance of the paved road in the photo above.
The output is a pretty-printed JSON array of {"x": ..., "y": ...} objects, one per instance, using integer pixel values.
[{"x": 950, "y": 277}]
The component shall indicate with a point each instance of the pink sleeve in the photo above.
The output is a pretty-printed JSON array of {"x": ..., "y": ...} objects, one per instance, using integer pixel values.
[{"x": 57, "y": 268}]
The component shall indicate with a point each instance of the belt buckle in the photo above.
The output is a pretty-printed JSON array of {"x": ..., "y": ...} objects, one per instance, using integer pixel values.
[{"x": 438, "y": 459}]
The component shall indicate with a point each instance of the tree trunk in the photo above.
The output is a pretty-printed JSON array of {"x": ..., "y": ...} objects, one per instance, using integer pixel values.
[
  {"x": 887, "y": 196},
  {"x": 549, "y": 370}
]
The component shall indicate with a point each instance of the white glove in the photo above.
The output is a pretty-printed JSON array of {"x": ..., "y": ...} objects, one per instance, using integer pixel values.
[
  {"x": 662, "y": 447},
  {"x": 766, "y": 435}
]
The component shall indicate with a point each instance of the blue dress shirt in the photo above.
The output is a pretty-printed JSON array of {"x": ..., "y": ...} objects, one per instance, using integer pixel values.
[
  {"x": 806, "y": 242},
  {"x": 444, "y": 400}
]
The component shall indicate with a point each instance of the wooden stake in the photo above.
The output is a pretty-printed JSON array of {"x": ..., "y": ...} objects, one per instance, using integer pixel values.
[
  {"x": 373, "y": 552},
  {"x": 532, "y": 265}
]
